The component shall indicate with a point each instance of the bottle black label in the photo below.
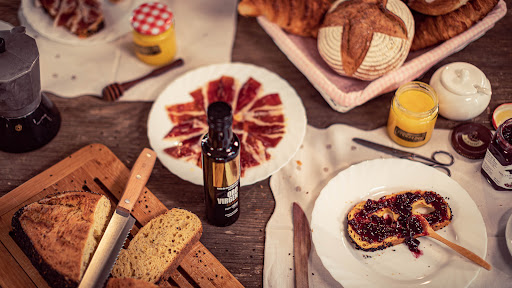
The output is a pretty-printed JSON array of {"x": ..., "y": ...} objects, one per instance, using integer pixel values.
[
  {"x": 227, "y": 199},
  {"x": 222, "y": 185}
]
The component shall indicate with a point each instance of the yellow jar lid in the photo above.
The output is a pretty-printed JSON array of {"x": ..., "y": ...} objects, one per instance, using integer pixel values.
[{"x": 152, "y": 18}]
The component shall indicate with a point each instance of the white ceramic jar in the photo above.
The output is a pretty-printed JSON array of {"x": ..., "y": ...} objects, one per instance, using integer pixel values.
[{"x": 463, "y": 91}]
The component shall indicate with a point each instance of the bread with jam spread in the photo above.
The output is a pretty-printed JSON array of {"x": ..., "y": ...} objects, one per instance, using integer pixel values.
[
  {"x": 60, "y": 233},
  {"x": 378, "y": 224}
]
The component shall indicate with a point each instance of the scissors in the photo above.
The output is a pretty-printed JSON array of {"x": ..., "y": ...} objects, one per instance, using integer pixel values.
[{"x": 432, "y": 161}]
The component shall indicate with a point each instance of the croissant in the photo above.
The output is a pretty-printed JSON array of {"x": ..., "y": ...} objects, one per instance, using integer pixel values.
[
  {"x": 299, "y": 17},
  {"x": 435, "y": 7},
  {"x": 431, "y": 30}
]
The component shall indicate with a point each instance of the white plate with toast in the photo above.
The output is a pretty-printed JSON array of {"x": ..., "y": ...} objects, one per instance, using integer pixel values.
[
  {"x": 116, "y": 19},
  {"x": 396, "y": 266}
]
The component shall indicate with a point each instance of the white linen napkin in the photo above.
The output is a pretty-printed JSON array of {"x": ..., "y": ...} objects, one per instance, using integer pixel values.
[
  {"x": 326, "y": 152},
  {"x": 204, "y": 34}
]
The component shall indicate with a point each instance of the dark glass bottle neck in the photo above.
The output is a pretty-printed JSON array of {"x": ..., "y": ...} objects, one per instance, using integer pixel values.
[{"x": 220, "y": 136}]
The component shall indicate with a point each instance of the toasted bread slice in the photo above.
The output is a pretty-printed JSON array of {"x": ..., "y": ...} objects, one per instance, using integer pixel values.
[
  {"x": 159, "y": 247},
  {"x": 378, "y": 224}
]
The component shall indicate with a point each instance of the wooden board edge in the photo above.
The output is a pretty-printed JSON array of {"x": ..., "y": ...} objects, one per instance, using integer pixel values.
[{"x": 37, "y": 183}]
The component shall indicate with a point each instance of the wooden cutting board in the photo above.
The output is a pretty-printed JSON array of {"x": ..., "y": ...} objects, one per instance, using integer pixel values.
[{"x": 95, "y": 168}]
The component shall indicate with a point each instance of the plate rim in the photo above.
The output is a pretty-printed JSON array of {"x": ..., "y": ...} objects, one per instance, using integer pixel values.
[{"x": 508, "y": 234}]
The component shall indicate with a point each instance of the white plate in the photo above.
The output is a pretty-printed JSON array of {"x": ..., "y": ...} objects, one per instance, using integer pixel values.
[
  {"x": 396, "y": 266},
  {"x": 116, "y": 18},
  {"x": 508, "y": 234},
  {"x": 178, "y": 92}
]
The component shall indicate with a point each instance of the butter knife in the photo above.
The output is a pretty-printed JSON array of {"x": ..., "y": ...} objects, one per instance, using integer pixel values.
[
  {"x": 301, "y": 246},
  {"x": 120, "y": 224}
]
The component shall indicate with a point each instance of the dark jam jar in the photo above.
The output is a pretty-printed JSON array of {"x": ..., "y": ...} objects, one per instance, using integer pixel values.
[{"x": 497, "y": 164}]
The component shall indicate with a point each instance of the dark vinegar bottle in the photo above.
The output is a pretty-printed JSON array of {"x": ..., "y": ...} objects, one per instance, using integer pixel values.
[{"x": 221, "y": 166}]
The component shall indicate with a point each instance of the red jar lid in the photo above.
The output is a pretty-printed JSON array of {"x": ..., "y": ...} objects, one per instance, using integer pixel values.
[
  {"x": 471, "y": 140},
  {"x": 152, "y": 18}
]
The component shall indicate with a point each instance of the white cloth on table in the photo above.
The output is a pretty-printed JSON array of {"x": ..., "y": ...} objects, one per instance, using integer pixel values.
[{"x": 326, "y": 152}]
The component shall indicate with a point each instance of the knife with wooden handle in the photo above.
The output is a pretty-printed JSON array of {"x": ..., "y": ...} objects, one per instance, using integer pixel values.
[
  {"x": 120, "y": 224},
  {"x": 301, "y": 246}
]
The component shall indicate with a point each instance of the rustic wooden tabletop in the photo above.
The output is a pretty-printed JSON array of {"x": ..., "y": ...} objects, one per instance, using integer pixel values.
[{"x": 122, "y": 127}]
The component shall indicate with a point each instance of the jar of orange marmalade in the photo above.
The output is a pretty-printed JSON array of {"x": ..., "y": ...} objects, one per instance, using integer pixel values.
[
  {"x": 153, "y": 33},
  {"x": 413, "y": 114}
]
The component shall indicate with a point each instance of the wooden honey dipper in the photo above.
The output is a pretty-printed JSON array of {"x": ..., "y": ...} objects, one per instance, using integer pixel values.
[{"x": 113, "y": 91}]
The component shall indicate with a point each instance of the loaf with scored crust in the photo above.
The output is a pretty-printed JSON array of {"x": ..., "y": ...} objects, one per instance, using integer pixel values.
[
  {"x": 60, "y": 233},
  {"x": 158, "y": 248},
  {"x": 378, "y": 224},
  {"x": 366, "y": 39}
]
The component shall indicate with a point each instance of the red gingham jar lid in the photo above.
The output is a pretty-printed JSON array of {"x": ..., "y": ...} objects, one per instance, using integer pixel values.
[{"x": 152, "y": 18}]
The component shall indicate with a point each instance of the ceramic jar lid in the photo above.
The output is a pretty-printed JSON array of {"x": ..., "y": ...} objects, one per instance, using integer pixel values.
[
  {"x": 463, "y": 79},
  {"x": 152, "y": 18},
  {"x": 471, "y": 140}
]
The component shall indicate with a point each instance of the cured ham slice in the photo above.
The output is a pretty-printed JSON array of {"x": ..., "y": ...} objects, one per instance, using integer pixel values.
[
  {"x": 188, "y": 150},
  {"x": 81, "y": 17},
  {"x": 222, "y": 89},
  {"x": 258, "y": 121},
  {"x": 188, "y": 111},
  {"x": 247, "y": 93}
]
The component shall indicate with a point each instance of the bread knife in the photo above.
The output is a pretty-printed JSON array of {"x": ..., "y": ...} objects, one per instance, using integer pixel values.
[
  {"x": 301, "y": 246},
  {"x": 120, "y": 224}
]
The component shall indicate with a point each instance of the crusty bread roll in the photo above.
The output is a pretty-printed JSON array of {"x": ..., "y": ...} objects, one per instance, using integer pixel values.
[
  {"x": 60, "y": 233},
  {"x": 435, "y": 7},
  {"x": 365, "y": 39},
  {"x": 387, "y": 219},
  {"x": 299, "y": 17},
  {"x": 432, "y": 30}
]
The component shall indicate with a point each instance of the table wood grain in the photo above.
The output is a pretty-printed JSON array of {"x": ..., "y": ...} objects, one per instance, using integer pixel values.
[{"x": 240, "y": 247}]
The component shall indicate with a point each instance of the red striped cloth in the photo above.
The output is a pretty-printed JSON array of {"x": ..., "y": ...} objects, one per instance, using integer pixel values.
[{"x": 344, "y": 93}]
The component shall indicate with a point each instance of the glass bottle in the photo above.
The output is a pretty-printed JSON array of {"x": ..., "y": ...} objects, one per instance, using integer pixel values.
[{"x": 221, "y": 166}]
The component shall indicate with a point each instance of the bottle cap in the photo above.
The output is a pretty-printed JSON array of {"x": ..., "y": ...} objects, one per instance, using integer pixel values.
[
  {"x": 220, "y": 113},
  {"x": 152, "y": 18},
  {"x": 471, "y": 140}
]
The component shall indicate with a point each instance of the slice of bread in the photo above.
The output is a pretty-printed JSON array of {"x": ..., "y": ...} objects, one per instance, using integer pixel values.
[
  {"x": 159, "y": 247},
  {"x": 386, "y": 220},
  {"x": 60, "y": 233},
  {"x": 129, "y": 283}
]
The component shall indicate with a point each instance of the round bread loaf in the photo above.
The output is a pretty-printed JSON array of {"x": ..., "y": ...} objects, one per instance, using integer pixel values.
[
  {"x": 365, "y": 39},
  {"x": 435, "y": 7}
]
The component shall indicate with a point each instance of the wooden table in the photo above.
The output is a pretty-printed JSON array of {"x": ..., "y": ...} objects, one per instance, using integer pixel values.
[{"x": 240, "y": 247}]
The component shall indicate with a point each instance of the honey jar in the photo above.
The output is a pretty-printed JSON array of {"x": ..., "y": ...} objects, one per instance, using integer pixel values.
[
  {"x": 413, "y": 114},
  {"x": 153, "y": 33}
]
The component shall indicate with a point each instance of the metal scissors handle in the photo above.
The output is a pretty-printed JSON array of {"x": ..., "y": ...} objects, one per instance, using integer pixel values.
[{"x": 434, "y": 162}]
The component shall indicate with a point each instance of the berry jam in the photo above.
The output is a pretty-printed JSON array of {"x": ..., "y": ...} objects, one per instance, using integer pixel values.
[
  {"x": 498, "y": 158},
  {"x": 372, "y": 228}
]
